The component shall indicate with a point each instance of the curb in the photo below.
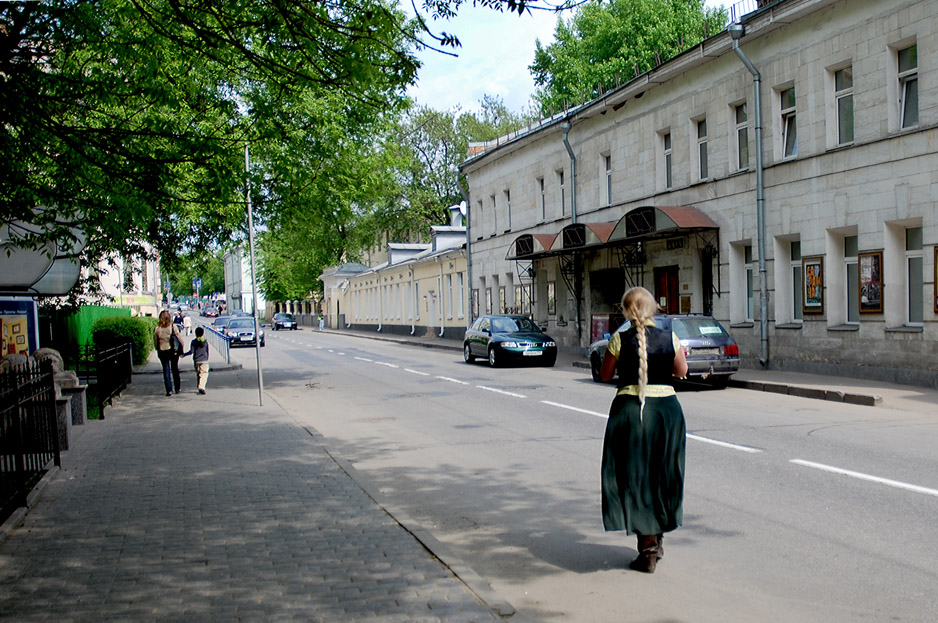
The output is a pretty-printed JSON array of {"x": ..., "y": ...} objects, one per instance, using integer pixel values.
[
  {"x": 224, "y": 367},
  {"x": 468, "y": 576},
  {"x": 832, "y": 395}
]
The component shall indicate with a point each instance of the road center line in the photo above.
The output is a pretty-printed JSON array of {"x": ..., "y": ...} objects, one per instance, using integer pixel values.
[
  {"x": 383, "y": 363},
  {"x": 867, "y": 477},
  {"x": 416, "y": 372},
  {"x": 724, "y": 444},
  {"x": 500, "y": 391},
  {"x": 577, "y": 409},
  {"x": 364, "y": 359},
  {"x": 446, "y": 378}
]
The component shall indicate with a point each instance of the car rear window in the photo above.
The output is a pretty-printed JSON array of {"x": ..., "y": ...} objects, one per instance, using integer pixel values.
[{"x": 688, "y": 328}]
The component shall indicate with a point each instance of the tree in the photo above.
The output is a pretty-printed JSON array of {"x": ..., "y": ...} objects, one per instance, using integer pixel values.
[
  {"x": 605, "y": 44},
  {"x": 127, "y": 119},
  {"x": 207, "y": 265}
]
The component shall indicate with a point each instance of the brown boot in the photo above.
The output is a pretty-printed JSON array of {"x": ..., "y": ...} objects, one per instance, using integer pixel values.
[{"x": 647, "y": 554}]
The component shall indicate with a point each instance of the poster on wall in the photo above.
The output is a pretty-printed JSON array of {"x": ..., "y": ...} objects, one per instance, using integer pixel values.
[
  {"x": 19, "y": 326},
  {"x": 871, "y": 282},
  {"x": 813, "y": 271}
]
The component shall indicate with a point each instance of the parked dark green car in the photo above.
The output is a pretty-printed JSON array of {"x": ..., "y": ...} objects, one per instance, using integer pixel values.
[{"x": 503, "y": 338}]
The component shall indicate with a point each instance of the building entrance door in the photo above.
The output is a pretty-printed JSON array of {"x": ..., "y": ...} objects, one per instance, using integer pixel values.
[{"x": 666, "y": 289}]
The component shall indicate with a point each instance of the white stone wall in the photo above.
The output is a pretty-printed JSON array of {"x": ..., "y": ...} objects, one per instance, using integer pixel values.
[{"x": 873, "y": 188}]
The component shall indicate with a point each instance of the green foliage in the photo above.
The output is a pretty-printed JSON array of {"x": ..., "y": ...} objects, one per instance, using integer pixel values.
[
  {"x": 114, "y": 331},
  {"x": 605, "y": 44},
  {"x": 209, "y": 266}
]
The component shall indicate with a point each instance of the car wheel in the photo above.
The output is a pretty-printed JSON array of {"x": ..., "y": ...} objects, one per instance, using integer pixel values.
[
  {"x": 467, "y": 355},
  {"x": 595, "y": 366},
  {"x": 493, "y": 358},
  {"x": 550, "y": 361},
  {"x": 720, "y": 382}
]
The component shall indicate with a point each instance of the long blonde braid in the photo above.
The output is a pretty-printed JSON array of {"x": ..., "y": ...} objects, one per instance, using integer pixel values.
[{"x": 639, "y": 306}]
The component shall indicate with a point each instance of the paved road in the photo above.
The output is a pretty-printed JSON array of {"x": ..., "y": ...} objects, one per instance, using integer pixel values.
[{"x": 209, "y": 508}]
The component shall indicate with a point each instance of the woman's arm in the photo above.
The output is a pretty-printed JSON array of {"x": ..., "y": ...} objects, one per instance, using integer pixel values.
[
  {"x": 608, "y": 369},
  {"x": 680, "y": 363}
]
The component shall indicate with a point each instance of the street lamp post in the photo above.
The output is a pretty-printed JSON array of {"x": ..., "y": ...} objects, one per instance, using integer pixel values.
[{"x": 257, "y": 332}]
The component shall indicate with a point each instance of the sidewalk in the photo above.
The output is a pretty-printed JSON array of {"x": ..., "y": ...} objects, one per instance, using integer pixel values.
[{"x": 210, "y": 508}]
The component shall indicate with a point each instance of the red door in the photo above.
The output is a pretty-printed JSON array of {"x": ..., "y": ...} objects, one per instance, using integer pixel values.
[{"x": 666, "y": 289}]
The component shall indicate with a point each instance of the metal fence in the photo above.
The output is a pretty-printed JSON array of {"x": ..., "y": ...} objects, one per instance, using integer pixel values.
[
  {"x": 106, "y": 372},
  {"x": 218, "y": 342},
  {"x": 29, "y": 437}
]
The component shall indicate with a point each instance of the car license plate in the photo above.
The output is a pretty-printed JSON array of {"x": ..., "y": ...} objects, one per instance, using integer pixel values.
[
  {"x": 532, "y": 353},
  {"x": 705, "y": 351}
]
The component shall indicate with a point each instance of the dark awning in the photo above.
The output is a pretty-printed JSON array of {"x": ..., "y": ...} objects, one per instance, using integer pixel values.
[
  {"x": 650, "y": 222},
  {"x": 530, "y": 246}
]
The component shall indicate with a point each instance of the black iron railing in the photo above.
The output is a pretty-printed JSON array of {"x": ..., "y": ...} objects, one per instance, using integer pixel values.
[
  {"x": 106, "y": 372},
  {"x": 29, "y": 437}
]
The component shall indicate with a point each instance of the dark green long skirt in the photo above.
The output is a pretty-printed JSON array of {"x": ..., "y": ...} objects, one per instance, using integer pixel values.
[{"x": 643, "y": 466}]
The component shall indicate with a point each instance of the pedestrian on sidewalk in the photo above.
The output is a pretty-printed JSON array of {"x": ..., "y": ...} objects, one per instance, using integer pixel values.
[
  {"x": 644, "y": 444},
  {"x": 168, "y": 341},
  {"x": 199, "y": 351},
  {"x": 187, "y": 324},
  {"x": 322, "y": 322}
]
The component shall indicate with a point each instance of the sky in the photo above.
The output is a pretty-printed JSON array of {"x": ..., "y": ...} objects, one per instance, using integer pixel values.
[{"x": 493, "y": 60}]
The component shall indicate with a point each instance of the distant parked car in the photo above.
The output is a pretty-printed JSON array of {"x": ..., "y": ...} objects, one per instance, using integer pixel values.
[
  {"x": 504, "y": 338},
  {"x": 240, "y": 331},
  {"x": 284, "y": 320},
  {"x": 712, "y": 353},
  {"x": 220, "y": 323}
]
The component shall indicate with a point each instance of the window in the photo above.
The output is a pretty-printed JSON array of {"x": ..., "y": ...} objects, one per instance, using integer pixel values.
[
  {"x": 460, "y": 293},
  {"x": 449, "y": 295},
  {"x": 843, "y": 96},
  {"x": 508, "y": 209},
  {"x": 915, "y": 277},
  {"x": 796, "y": 282},
  {"x": 852, "y": 277},
  {"x": 494, "y": 216},
  {"x": 702, "y": 148},
  {"x": 540, "y": 182},
  {"x": 501, "y": 300},
  {"x": 742, "y": 136},
  {"x": 908, "y": 87},
  {"x": 608, "y": 162},
  {"x": 519, "y": 299},
  {"x": 563, "y": 193},
  {"x": 488, "y": 300},
  {"x": 417, "y": 300},
  {"x": 789, "y": 126},
  {"x": 666, "y": 145},
  {"x": 477, "y": 222},
  {"x": 475, "y": 303},
  {"x": 750, "y": 283}
]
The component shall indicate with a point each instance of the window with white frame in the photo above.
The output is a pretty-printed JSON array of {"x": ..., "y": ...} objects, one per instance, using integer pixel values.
[
  {"x": 494, "y": 216},
  {"x": 843, "y": 99},
  {"x": 460, "y": 295},
  {"x": 563, "y": 193},
  {"x": 507, "y": 194},
  {"x": 852, "y": 279},
  {"x": 908, "y": 86},
  {"x": 702, "y": 148},
  {"x": 750, "y": 282},
  {"x": 915, "y": 277},
  {"x": 417, "y": 300},
  {"x": 607, "y": 162},
  {"x": 741, "y": 117},
  {"x": 488, "y": 300},
  {"x": 666, "y": 151},
  {"x": 477, "y": 222},
  {"x": 449, "y": 295},
  {"x": 789, "y": 125},
  {"x": 797, "y": 283},
  {"x": 540, "y": 183}
]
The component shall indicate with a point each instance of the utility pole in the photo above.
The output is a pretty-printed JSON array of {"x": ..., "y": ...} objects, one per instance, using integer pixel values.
[{"x": 257, "y": 326}]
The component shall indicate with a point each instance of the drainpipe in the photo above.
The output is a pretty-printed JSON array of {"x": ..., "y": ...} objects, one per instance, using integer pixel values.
[
  {"x": 465, "y": 198},
  {"x": 737, "y": 30},
  {"x": 442, "y": 299},
  {"x": 565, "y": 128}
]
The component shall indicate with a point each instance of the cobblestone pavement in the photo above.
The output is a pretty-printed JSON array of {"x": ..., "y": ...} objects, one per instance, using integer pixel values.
[{"x": 210, "y": 508}]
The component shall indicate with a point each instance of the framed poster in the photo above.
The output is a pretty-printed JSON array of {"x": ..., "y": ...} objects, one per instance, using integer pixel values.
[
  {"x": 813, "y": 270},
  {"x": 871, "y": 282}
]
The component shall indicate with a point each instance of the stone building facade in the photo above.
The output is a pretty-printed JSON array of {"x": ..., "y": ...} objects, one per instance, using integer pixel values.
[{"x": 657, "y": 183}]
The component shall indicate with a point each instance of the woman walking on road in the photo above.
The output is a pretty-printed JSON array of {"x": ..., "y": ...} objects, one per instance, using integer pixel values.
[
  {"x": 163, "y": 335},
  {"x": 643, "y": 449}
]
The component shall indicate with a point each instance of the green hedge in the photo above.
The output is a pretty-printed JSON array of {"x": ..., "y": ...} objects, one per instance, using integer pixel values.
[{"x": 115, "y": 331}]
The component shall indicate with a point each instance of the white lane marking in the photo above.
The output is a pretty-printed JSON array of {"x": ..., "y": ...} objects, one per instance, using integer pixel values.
[
  {"x": 500, "y": 391},
  {"x": 390, "y": 365},
  {"x": 577, "y": 409},
  {"x": 724, "y": 444},
  {"x": 446, "y": 378},
  {"x": 416, "y": 372},
  {"x": 861, "y": 476},
  {"x": 364, "y": 359}
]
